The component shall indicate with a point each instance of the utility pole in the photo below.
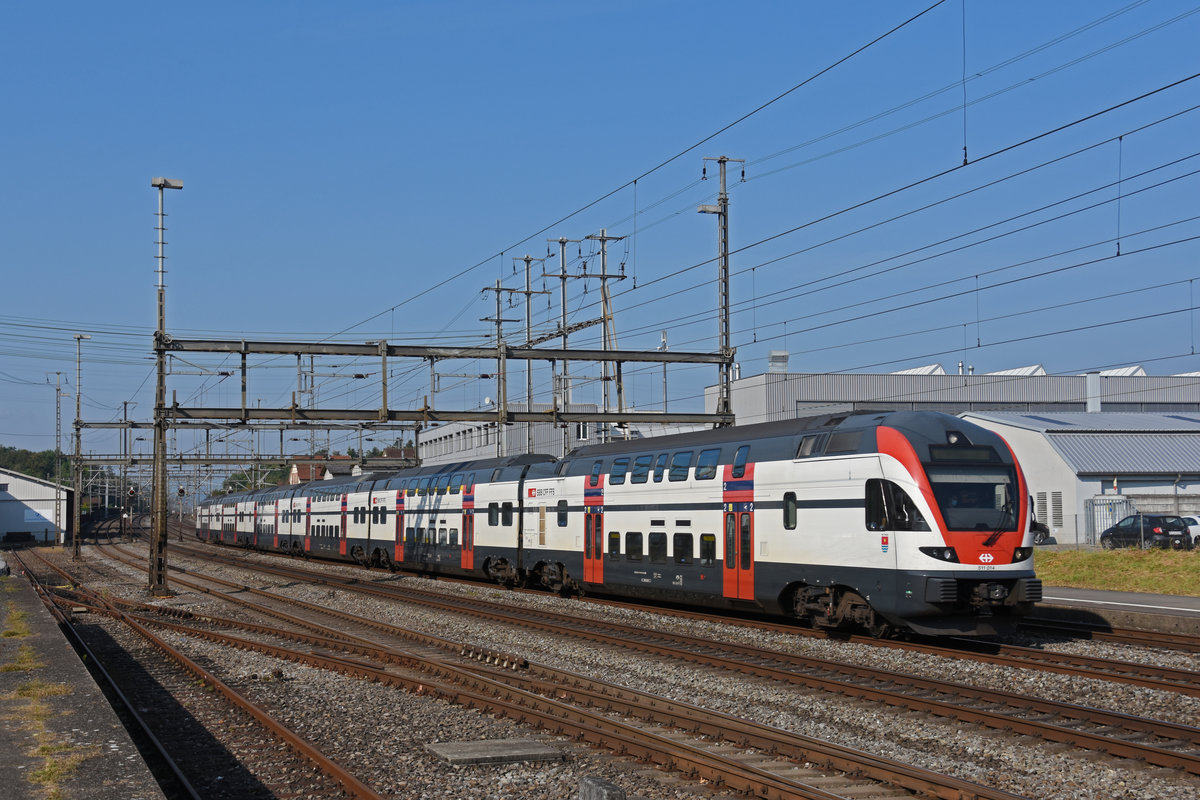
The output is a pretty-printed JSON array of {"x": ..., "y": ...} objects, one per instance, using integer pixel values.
[
  {"x": 663, "y": 347},
  {"x": 158, "y": 546},
  {"x": 609, "y": 337},
  {"x": 529, "y": 293},
  {"x": 125, "y": 504},
  {"x": 58, "y": 520},
  {"x": 722, "y": 212},
  {"x": 76, "y": 534},
  {"x": 564, "y": 388},
  {"x": 501, "y": 366}
]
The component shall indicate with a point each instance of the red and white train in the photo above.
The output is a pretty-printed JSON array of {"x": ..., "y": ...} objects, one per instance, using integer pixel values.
[{"x": 888, "y": 521}]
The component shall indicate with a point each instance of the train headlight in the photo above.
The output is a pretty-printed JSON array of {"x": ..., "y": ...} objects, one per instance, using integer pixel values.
[
  {"x": 1022, "y": 553},
  {"x": 941, "y": 553}
]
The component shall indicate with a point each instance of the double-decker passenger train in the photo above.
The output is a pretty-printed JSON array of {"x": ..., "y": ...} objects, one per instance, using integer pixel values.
[{"x": 896, "y": 521}]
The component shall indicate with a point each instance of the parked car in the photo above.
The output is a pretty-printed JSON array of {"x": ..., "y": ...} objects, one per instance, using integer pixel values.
[
  {"x": 1040, "y": 532},
  {"x": 1148, "y": 530},
  {"x": 1193, "y": 528}
]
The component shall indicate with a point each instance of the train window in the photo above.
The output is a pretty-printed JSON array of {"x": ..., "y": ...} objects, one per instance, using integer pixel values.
[
  {"x": 633, "y": 547},
  {"x": 844, "y": 442},
  {"x": 456, "y": 483},
  {"x": 658, "y": 523},
  {"x": 506, "y": 514},
  {"x": 495, "y": 474},
  {"x": 469, "y": 485},
  {"x": 454, "y": 537},
  {"x": 409, "y": 535},
  {"x": 443, "y": 484},
  {"x": 889, "y": 508},
  {"x": 746, "y": 543},
  {"x": 562, "y": 513},
  {"x": 660, "y": 466},
  {"x": 730, "y": 540},
  {"x": 681, "y": 545},
  {"x": 706, "y": 465},
  {"x": 739, "y": 461},
  {"x": 811, "y": 445},
  {"x": 443, "y": 536},
  {"x": 641, "y": 469},
  {"x": 680, "y": 462},
  {"x": 789, "y": 510},
  {"x": 594, "y": 478},
  {"x": 657, "y": 547},
  {"x": 423, "y": 487},
  {"x": 616, "y": 476},
  {"x": 614, "y": 544},
  {"x": 493, "y": 514},
  {"x": 410, "y": 487}
]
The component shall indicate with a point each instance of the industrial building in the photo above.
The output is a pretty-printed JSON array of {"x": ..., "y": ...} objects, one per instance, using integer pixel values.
[{"x": 32, "y": 509}]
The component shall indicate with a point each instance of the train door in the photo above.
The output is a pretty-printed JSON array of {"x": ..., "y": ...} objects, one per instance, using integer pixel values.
[
  {"x": 275, "y": 528},
  {"x": 342, "y": 527},
  {"x": 468, "y": 539},
  {"x": 307, "y": 524},
  {"x": 738, "y": 581},
  {"x": 398, "y": 548},
  {"x": 593, "y": 545}
]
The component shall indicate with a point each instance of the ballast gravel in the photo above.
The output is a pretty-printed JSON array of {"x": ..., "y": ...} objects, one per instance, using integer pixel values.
[{"x": 381, "y": 733}]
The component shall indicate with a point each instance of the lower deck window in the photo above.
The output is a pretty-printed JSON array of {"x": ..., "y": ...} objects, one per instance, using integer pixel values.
[
  {"x": 658, "y": 548},
  {"x": 633, "y": 547},
  {"x": 681, "y": 544},
  {"x": 614, "y": 544}
]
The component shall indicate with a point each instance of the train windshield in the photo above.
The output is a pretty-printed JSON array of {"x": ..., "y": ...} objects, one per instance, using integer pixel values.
[{"x": 975, "y": 497}]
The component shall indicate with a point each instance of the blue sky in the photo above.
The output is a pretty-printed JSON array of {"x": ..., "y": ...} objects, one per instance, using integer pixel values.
[{"x": 363, "y": 170}]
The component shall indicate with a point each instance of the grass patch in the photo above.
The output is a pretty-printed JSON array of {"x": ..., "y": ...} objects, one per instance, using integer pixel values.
[
  {"x": 38, "y": 689},
  {"x": 1126, "y": 570},
  {"x": 16, "y": 624},
  {"x": 26, "y": 661},
  {"x": 54, "y": 770}
]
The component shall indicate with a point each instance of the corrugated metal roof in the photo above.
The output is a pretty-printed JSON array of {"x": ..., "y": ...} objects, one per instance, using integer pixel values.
[
  {"x": 928, "y": 369},
  {"x": 1135, "y": 371},
  {"x": 1129, "y": 453},
  {"x": 1102, "y": 422},
  {"x": 1032, "y": 369}
]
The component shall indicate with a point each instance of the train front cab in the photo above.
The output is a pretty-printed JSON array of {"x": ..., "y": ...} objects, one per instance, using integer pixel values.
[{"x": 965, "y": 566}]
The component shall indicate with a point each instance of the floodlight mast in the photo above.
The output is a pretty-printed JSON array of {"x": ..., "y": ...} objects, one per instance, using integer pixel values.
[{"x": 158, "y": 547}]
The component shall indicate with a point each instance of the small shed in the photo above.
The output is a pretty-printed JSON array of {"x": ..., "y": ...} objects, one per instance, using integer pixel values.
[{"x": 32, "y": 509}]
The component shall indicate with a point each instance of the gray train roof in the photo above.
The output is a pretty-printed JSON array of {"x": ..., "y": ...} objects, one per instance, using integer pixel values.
[
  {"x": 778, "y": 440},
  {"x": 1114, "y": 442}
]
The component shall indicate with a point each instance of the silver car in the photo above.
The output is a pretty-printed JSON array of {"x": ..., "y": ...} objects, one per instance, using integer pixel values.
[{"x": 1193, "y": 524}]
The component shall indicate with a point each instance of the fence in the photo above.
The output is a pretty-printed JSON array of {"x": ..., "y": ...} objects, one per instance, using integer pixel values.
[{"x": 1103, "y": 512}]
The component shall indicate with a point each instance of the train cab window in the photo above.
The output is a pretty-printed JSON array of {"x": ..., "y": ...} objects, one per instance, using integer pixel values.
[
  {"x": 633, "y": 546},
  {"x": 889, "y": 508},
  {"x": 789, "y": 511},
  {"x": 706, "y": 465},
  {"x": 562, "y": 513},
  {"x": 614, "y": 544},
  {"x": 656, "y": 544},
  {"x": 739, "y": 461},
  {"x": 812, "y": 445},
  {"x": 456, "y": 483},
  {"x": 680, "y": 463},
  {"x": 616, "y": 476},
  {"x": 594, "y": 478},
  {"x": 641, "y": 469},
  {"x": 660, "y": 467},
  {"x": 493, "y": 514},
  {"x": 681, "y": 546},
  {"x": 506, "y": 514},
  {"x": 443, "y": 484}
]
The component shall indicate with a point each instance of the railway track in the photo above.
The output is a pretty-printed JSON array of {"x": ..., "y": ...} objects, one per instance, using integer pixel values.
[
  {"x": 701, "y": 743},
  {"x": 181, "y": 703},
  {"x": 1155, "y": 742},
  {"x": 1082, "y": 630}
]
